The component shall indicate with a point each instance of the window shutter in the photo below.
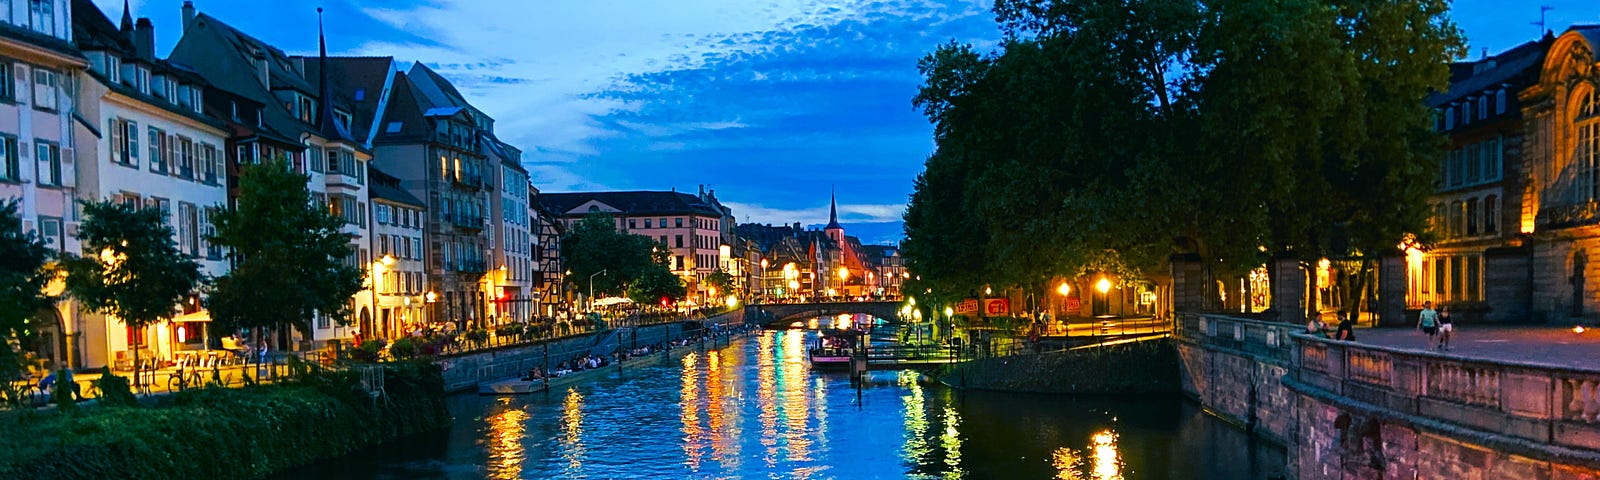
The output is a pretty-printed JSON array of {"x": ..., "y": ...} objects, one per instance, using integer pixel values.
[{"x": 69, "y": 170}]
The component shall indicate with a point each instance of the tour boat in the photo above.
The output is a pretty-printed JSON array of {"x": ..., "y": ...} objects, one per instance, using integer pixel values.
[{"x": 833, "y": 350}]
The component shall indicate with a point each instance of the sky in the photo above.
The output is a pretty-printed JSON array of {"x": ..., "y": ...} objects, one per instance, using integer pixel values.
[{"x": 772, "y": 104}]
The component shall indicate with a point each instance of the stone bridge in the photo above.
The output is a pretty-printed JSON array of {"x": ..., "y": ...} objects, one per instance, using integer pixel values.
[{"x": 783, "y": 313}]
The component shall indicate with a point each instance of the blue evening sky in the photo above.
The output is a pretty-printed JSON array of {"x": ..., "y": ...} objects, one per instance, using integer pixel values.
[{"x": 770, "y": 102}]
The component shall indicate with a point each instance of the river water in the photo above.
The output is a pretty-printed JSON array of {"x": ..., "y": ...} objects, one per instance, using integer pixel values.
[{"x": 754, "y": 409}]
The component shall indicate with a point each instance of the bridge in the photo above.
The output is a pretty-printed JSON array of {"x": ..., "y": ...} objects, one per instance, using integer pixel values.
[{"x": 784, "y": 313}]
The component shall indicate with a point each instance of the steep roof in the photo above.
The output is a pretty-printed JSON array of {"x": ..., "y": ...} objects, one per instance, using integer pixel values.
[
  {"x": 630, "y": 203},
  {"x": 93, "y": 31},
  {"x": 227, "y": 60},
  {"x": 403, "y": 120},
  {"x": 387, "y": 187},
  {"x": 356, "y": 84},
  {"x": 1470, "y": 78}
]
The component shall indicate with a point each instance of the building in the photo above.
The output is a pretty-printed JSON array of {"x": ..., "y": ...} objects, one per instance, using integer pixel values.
[
  {"x": 37, "y": 169},
  {"x": 691, "y": 227},
  {"x": 146, "y": 142},
  {"x": 549, "y": 292},
  {"x": 399, "y": 220},
  {"x": 432, "y": 140},
  {"x": 510, "y": 218},
  {"x": 281, "y": 107}
]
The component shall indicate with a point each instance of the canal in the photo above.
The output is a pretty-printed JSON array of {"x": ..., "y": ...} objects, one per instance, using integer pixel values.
[{"x": 755, "y": 409}]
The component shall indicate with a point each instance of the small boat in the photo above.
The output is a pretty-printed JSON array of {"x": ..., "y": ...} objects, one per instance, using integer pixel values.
[{"x": 833, "y": 350}]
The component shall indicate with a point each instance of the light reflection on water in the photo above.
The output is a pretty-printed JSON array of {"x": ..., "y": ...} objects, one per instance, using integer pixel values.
[{"x": 755, "y": 409}]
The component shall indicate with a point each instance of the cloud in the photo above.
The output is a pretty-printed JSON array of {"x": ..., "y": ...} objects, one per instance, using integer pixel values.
[{"x": 848, "y": 213}]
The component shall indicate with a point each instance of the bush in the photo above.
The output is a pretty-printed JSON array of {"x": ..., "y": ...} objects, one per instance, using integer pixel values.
[
  {"x": 477, "y": 335},
  {"x": 114, "y": 389},
  {"x": 367, "y": 351},
  {"x": 404, "y": 348},
  {"x": 510, "y": 330}
]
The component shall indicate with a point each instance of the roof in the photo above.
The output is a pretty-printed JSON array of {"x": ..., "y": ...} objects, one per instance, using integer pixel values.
[
  {"x": 1471, "y": 78},
  {"x": 630, "y": 203},
  {"x": 402, "y": 119},
  {"x": 387, "y": 187},
  {"x": 227, "y": 60},
  {"x": 47, "y": 42},
  {"x": 93, "y": 31},
  {"x": 356, "y": 84},
  {"x": 442, "y": 111}
]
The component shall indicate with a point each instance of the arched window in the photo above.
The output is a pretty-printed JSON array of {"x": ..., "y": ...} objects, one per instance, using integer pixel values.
[
  {"x": 1472, "y": 217},
  {"x": 1500, "y": 101},
  {"x": 1491, "y": 212},
  {"x": 1457, "y": 219},
  {"x": 1586, "y": 157}
]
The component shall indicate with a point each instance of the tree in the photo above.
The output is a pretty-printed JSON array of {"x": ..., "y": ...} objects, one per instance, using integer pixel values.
[
  {"x": 594, "y": 245},
  {"x": 722, "y": 281},
  {"x": 1105, "y": 135},
  {"x": 23, "y": 276},
  {"x": 289, "y": 255},
  {"x": 655, "y": 284},
  {"x": 134, "y": 270}
]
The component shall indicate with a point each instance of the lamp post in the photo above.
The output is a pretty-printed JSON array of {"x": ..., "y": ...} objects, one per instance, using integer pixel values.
[
  {"x": 591, "y": 288},
  {"x": 431, "y": 298},
  {"x": 764, "y": 280},
  {"x": 844, "y": 274},
  {"x": 1104, "y": 286}
]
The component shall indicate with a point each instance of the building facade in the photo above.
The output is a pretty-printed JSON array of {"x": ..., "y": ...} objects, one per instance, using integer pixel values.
[
  {"x": 689, "y": 226},
  {"x": 399, "y": 221},
  {"x": 512, "y": 283}
]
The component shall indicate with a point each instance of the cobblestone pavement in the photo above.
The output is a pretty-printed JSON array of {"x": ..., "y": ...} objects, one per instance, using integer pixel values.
[{"x": 1555, "y": 346}]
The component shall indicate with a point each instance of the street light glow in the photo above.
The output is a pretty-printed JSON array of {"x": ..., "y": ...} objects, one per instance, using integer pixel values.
[
  {"x": 844, "y": 274},
  {"x": 949, "y": 312},
  {"x": 1064, "y": 289},
  {"x": 1103, "y": 285}
]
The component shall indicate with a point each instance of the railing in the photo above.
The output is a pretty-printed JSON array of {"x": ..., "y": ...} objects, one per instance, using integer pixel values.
[
  {"x": 1546, "y": 404},
  {"x": 1258, "y": 338}
]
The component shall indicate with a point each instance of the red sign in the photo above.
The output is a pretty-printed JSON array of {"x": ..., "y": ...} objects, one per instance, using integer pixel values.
[
  {"x": 995, "y": 307},
  {"x": 967, "y": 306},
  {"x": 1073, "y": 304}
]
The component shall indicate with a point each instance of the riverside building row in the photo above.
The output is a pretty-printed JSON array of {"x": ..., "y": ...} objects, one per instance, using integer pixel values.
[{"x": 440, "y": 212}]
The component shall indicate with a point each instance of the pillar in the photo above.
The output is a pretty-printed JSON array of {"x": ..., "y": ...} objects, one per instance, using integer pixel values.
[
  {"x": 1288, "y": 289},
  {"x": 1392, "y": 291},
  {"x": 1188, "y": 283}
]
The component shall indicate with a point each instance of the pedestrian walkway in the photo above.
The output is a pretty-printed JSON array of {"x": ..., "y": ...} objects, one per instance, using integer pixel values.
[{"x": 1549, "y": 346}]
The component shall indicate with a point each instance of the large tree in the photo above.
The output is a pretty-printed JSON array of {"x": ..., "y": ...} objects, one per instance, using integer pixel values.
[
  {"x": 657, "y": 286},
  {"x": 289, "y": 255},
  {"x": 133, "y": 269},
  {"x": 594, "y": 245},
  {"x": 23, "y": 275},
  {"x": 1105, "y": 135}
]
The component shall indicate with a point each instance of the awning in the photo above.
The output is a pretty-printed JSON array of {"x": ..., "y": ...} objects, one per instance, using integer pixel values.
[
  {"x": 203, "y": 316},
  {"x": 609, "y": 301}
]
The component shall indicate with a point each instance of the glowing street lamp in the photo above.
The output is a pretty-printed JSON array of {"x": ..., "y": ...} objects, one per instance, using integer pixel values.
[
  {"x": 1103, "y": 285},
  {"x": 1064, "y": 289}
]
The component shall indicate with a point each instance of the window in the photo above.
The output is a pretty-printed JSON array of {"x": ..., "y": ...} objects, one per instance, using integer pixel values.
[
  {"x": 1466, "y": 111},
  {"x": 1455, "y": 221},
  {"x": 1472, "y": 217},
  {"x": 679, "y": 222},
  {"x": 50, "y": 232},
  {"x": 124, "y": 142},
  {"x": 188, "y": 229},
  {"x": 10, "y": 167},
  {"x": 647, "y": 223},
  {"x": 44, "y": 89},
  {"x": 679, "y": 241},
  {"x": 160, "y": 150},
  {"x": 49, "y": 163},
  {"x": 208, "y": 163},
  {"x": 42, "y": 14},
  {"x": 208, "y": 230},
  {"x": 8, "y": 87},
  {"x": 318, "y": 164},
  {"x": 1483, "y": 107},
  {"x": 1473, "y": 166},
  {"x": 1586, "y": 159},
  {"x": 1450, "y": 117},
  {"x": 1491, "y": 210},
  {"x": 1500, "y": 101},
  {"x": 185, "y": 155}
]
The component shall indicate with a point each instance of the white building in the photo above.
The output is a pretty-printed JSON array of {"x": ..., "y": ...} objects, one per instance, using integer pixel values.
[
  {"x": 400, "y": 273},
  {"x": 511, "y": 285}
]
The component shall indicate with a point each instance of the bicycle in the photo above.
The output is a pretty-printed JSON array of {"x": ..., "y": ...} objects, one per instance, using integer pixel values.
[{"x": 184, "y": 378}]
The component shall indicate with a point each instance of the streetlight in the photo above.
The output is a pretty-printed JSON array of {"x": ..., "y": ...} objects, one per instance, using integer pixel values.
[
  {"x": 1104, "y": 286},
  {"x": 591, "y": 288},
  {"x": 430, "y": 298},
  {"x": 1064, "y": 289}
]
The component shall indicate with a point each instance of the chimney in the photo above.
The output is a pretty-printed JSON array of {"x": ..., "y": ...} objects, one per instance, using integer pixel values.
[
  {"x": 144, "y": 38},
  {"x": 188, "y": 13},
  {"x": 702, "y": 190}
]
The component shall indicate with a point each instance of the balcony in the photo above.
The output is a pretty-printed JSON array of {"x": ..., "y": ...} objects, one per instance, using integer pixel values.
[
  {"x": 468, "y": 181},
  {"x": 466, "y": 222},
  {"x": 1568, "y": 215}
]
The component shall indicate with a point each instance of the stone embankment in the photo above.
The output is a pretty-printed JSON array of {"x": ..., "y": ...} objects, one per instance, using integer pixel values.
[{"x": 1148, "y": 367}]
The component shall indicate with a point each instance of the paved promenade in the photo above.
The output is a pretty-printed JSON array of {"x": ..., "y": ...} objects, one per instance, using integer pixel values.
[{"x": 1552, "y": 346}]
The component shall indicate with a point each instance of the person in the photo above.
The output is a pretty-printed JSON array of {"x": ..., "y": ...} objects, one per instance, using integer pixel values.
[
  {"x": 1347, "y": 328},
  {"x": 1316, "y": 327},
  {"x": 1446, "y": 327},
  {"x": 1428, "y": 321}
]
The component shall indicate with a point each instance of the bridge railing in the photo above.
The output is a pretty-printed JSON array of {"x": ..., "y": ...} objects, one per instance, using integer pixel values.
[{"x": 1546, "y": 404}]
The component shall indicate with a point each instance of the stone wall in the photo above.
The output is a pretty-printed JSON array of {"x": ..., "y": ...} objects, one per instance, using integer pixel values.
[
  {"x": 463, "y": 372},
  {"x": 1506, "y": 286},
  {"x": 1234, "y": 368},
  {"x": 1136, "y": 368}
]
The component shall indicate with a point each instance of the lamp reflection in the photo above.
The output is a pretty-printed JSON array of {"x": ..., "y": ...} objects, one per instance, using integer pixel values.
[
  {"x": 796, "y": 403},
  {"x": 1105, "y": 462},
  {"x": 689, "y": 416},
  {"x": 766, "y": 395},
  {"x": 572, "y": 431},
  {"x": 506, "y": 454}
]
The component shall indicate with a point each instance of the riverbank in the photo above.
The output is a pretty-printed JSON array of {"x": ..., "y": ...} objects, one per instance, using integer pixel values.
[
  {"x": 1148, "y": 367},
  {"x": 246, "y": 432}
]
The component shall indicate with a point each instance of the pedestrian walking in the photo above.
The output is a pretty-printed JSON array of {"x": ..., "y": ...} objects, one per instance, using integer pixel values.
[
  {"x": 1446, "y": 328},
  {"x": 1428, "y": 321}
]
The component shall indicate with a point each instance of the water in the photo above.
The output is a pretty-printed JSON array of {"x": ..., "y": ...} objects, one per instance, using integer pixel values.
[{"x": 755, "y": 410}]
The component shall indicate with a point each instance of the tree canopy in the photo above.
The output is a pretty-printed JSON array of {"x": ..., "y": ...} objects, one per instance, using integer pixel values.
[
  {"x": 24, "y": 273},
  {"x": 1106, "y": 135},
  {"x": 289, "y": 255},
  {"x": 133, "y": 269},
  {"x": 594, "y": 245}
]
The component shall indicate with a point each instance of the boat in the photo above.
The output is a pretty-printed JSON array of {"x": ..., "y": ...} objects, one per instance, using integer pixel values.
[
  {"x": 833, "y": 350},
  {"x": 520, "y": 386}
]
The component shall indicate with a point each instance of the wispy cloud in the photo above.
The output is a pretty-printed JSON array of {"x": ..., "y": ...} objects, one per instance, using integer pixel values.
[{"x": 848, "y": 213}]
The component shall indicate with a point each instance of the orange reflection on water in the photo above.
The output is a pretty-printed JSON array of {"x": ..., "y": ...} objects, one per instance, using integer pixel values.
[
  {"x": 1104, "y": 460},
  {"x": 572, "y": 431},
  {"x": 766, "y": 395},
  {"x": 505, "y": 442},
  {"x": 724, "y": 427},
  {"x": 689, "y": 414},
  {"x": 796, "y": 401}
]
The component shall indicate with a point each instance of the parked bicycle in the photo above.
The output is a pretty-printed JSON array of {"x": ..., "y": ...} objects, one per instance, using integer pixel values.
[{"x": 187, "y": 376}]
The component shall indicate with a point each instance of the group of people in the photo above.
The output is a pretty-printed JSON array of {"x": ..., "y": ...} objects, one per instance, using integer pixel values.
[
  {"x": 1346, "y": 329},
  {"x": 1436, "y": 324}
]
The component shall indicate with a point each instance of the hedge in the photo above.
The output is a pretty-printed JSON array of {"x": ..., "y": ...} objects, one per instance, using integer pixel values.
[{"x": 246, "y": 432}]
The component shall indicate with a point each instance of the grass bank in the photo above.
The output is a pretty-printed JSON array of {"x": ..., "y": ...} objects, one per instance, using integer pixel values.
[{"x": 222, "y": 433}]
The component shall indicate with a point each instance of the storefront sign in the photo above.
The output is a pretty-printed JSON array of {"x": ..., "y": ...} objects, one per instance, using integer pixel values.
[
  {"x": 995, "y": 307},
  {"x": 967, "y": 306},
  {"x": 1073, "y": 304}
]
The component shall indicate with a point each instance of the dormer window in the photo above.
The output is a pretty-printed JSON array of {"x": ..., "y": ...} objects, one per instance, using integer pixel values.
[
  {"x": 305, "y": 108},
  {"x": 42, "y": 15},
  {"x": 142, "y": 82},
  {"x": 343, "y": 118},
  {"x": 195, "y": 99},
  {"x": 113, "y": 68},
  {"x": 158, "y": 87}
]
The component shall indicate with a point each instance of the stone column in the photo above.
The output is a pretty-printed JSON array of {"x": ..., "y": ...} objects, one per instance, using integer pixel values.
[
  {"x": 1392, "y": 291},
  {"x": 1508, "y": 284},
  {"x": 1188, "y": 283},
  {"x": 1289, "y": 289}
]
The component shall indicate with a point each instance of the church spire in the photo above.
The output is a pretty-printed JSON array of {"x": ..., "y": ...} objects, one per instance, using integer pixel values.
[
  {"x": 127, "y": 19},
  {"x": 833, "y": 212},
  {"x": 326, "y": 124}
]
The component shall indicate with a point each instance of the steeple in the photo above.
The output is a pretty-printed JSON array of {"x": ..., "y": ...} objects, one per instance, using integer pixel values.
[
  {"x": 327, "y": 125},
  {"x": 127, "y": 19},
  {"x": 833, "y": 213}
]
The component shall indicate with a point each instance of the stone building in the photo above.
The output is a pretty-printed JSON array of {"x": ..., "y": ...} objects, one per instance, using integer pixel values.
[{"x": 691, "y": 227}]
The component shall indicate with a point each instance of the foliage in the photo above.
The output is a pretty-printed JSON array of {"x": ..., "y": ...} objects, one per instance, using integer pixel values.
[
  {"x": 114, "y": 390},
  {"x": 134, "y": 270},
  {"x": 594, "y": 245},
  {"x": 510, "y": 330},
  {"x": 722, "y": 281},
  {"x": 477, "y": 335},
  {"x": 655, "y": 284},
  {"x": 23, "y": 276},
  {"x": 404, "y": 348},
  {"x": 288, "y": 255},
  {"x": 1106, "y": 135},
  {"x": 367, "y": 350},
  {"x": 226, "y": 432}
]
